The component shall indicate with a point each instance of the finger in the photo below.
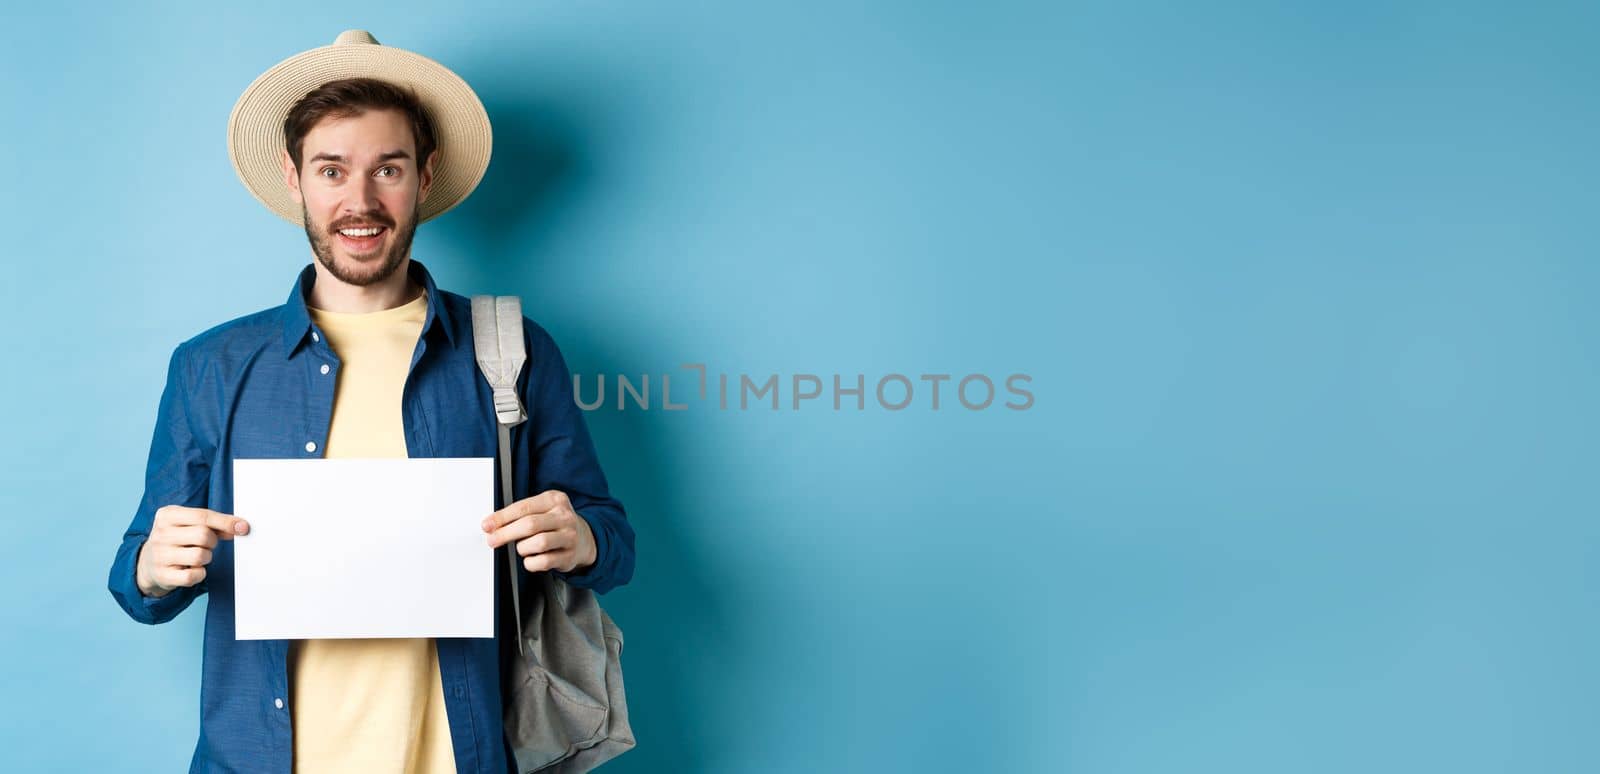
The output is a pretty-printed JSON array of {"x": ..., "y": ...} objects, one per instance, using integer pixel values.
[
  {"x": 185, "y": 577},
  {"x": 548, "y": 560},
  {"x": 183, "y": 515},
  {"x": 192, "y": 536},
  {"x": 226, "y": 526},
  {"x": 180, "y": 557},
  {"x": 527, "y": 526},
  {"x": 168, "y": 561},
  {"x": 538, "y": 503},
  {"x": 544, "y": 541},
  {"x": 191, "y": 556}
]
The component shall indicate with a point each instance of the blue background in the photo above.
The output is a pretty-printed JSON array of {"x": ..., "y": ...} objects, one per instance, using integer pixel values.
[{"x": 1305, "y": 290}]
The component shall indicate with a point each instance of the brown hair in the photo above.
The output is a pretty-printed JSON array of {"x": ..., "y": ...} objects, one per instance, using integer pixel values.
[{"x": 350, "y": 97}]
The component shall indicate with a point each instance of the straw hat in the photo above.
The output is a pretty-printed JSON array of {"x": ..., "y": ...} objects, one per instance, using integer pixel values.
[{"x": 255, "y": 129}]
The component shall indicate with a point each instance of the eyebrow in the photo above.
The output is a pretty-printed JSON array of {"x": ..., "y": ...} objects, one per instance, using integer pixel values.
[{"x": 334, "y": 157}]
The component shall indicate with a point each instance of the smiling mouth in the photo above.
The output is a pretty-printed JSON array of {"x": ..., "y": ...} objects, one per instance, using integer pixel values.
[{"x": 362, "y": 240}]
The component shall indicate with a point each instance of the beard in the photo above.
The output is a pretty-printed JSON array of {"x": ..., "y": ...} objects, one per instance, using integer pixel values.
[{"x": 372, "y": 270}]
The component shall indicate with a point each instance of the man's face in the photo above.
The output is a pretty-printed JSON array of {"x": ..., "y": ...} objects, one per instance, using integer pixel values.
[{"x": 360, "y": 173}]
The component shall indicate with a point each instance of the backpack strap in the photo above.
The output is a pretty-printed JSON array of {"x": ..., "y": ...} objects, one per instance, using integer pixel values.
[{"x": 497, "y": 340}]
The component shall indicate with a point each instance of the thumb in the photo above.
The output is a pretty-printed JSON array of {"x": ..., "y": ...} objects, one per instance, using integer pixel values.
[{"x": 226, "y": 526}]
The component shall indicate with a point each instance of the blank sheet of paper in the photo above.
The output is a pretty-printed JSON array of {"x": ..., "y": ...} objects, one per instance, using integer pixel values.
[{"x": 345, "y": 547}]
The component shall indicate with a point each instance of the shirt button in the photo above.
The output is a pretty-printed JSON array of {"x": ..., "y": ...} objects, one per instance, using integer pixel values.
[
  {"x": 311, "y": 446},
  {"x": 315, "y": 337},
  {"x": 277, "y": 703},
  {"x": 324, "y": 367}
]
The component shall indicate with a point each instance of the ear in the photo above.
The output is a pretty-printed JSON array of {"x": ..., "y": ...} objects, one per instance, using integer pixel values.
[
  {"x": 291, "y": 176},
  {"x": 427, "y": 176}
]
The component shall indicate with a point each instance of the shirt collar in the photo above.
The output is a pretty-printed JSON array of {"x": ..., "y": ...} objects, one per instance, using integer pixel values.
[{"x": 297, "y": 319}]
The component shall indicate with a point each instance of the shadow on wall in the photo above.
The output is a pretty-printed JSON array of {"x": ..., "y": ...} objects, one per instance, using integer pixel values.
[
  {"x": 679, "y": 637},
  {"x": 536, "y": 166}
]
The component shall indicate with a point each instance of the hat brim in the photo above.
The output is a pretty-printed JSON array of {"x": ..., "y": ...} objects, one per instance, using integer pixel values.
[{"x": 461, "y": 125}]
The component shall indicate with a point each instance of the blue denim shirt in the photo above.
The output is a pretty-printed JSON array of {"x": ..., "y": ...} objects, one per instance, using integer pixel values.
[{"x": 253, "y": 387}]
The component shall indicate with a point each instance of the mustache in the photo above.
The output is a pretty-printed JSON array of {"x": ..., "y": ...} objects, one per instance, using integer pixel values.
[{"x": 366, "y": 220}]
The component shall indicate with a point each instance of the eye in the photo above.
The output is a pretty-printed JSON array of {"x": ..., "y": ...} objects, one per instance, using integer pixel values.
[
  {"x": 391, "y": 167},
  {"x": 325, "y": 170}
]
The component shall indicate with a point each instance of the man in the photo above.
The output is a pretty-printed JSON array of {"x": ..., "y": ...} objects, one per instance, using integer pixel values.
[{"x": 367, "y": 358}]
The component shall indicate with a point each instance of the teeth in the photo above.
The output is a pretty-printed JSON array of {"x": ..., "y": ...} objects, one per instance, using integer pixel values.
[{"x": 359, "y": 232}]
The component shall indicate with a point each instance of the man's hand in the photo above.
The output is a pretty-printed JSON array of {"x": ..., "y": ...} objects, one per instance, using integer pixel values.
[
  {"x": 549, "y": 534},
  {"x": 179, "y": 547}
]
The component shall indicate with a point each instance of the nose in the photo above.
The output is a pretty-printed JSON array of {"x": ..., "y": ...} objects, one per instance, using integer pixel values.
[{"x": 364, "y": 198}]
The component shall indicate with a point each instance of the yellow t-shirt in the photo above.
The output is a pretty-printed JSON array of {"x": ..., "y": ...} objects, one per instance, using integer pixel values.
[{"x": 369, "y": 705}]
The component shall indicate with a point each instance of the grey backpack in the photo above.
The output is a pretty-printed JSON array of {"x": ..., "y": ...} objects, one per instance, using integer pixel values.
[{"x": 564, "y": 710}]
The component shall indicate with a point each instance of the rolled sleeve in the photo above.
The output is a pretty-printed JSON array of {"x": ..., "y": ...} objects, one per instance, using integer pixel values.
[{"x": 177, "y": 473}]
